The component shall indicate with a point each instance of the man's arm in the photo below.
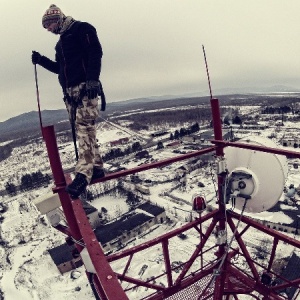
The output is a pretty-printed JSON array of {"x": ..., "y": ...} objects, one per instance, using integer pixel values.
[
  {"x": 50, "y": 65},
  {"x": 45, "y": 62}
]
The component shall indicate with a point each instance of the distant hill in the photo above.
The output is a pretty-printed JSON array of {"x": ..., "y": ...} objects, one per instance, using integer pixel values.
[{"x": 28, "y": 124}]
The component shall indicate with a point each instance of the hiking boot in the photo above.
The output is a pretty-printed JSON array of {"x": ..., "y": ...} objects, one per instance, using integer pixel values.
[
  {"x": 97, "y": 173},
  {"x": 77, "y": 186}
]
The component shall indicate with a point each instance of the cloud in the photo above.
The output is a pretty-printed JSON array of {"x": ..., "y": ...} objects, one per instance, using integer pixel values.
[{"x": 155, "y": 47}]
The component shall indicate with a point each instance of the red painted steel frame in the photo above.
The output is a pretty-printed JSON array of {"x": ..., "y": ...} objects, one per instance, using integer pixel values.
[
  {"x": 106, "y": 282},
  {"x": 216, "y": 118}
]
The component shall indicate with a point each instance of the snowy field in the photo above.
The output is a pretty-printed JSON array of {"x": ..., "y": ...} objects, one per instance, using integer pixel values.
[{"x": 27, "y": 271}]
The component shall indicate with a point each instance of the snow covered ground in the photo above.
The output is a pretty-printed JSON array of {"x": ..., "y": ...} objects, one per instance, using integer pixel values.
[{"x": 27, "y": 270}]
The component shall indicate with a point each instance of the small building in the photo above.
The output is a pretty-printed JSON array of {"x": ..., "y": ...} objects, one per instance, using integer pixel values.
[
  {"x": 291, "y": 142},
  {"x": 142, "y": 189},
  {"x": 117, "y": 234},
  {"x": 174, "y": 144},
  {"x": 157, "y": 212},
  {"x": 121, "y": 141},
  {"x": 113, "y": 235},
  {"x": 190, "y": 138},
  {"x": 206, "y": 136},
  {"x": 64, "y": 259},
  {"x": 159, "y": 133},
  {"x": 142, "y": 154},
  {"x": 254, "y": 126}
]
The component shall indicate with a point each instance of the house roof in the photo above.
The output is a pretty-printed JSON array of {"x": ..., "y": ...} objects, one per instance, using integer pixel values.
[
  {"x": 142, "y": 153},
  {"x": 173, "y": 143},
  {"x": 127, "y": 223},
  {"x": 292, "y": 272},
  {"x": 151, "y": 208},
  {"x": 61, "y": 254},
  {"x": 182, "y": 168}
]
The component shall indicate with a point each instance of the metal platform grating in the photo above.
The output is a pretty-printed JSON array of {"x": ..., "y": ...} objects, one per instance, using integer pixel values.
[{"x": 196, "y": 291}]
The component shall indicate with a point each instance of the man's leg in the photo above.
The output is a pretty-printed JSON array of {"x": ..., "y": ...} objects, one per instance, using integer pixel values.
[
  {"x": 86, "y": 114},
  {"x": 98, "y": 171},
  {"x": 71, "y": 109}
]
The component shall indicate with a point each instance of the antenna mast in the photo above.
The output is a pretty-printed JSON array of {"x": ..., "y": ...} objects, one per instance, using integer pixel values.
[{"x": 207, "y": 72}]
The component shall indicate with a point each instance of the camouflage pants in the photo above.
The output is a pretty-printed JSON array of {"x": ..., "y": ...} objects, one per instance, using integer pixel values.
[{"x": 86, "y": 113}]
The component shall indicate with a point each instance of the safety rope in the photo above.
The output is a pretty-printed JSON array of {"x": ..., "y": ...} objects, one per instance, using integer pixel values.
[{"x": 78, "y": 242}]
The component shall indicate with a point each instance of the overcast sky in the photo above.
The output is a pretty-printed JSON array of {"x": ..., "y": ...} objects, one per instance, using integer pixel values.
[{"x": 154, "y": 47}]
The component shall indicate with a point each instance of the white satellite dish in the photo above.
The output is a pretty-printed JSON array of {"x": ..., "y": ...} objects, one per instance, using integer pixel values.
[{"x": 254, "y": 176}]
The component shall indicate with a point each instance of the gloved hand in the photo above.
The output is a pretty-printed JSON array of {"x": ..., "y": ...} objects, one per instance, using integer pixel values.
[
  {"x": 35, "y": 57},
  {"x": 92, "y": 89}
]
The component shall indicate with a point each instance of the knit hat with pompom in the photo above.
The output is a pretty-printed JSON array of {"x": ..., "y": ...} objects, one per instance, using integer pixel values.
[{"x": 52, "y": 15}]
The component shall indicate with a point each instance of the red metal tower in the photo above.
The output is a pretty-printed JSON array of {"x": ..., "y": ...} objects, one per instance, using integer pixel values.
[{"x": 218, "y": 268}]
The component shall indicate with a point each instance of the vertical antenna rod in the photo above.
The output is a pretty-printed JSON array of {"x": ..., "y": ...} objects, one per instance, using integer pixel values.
[{"x": 207, "y": 72}]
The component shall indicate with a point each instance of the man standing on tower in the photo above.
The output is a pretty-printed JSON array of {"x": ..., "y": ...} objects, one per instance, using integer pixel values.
[{"x": 78, "y": 65}]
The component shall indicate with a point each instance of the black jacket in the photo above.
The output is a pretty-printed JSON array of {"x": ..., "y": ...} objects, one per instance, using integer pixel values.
[{"x": 78, "y": 56}]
